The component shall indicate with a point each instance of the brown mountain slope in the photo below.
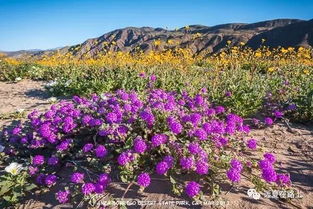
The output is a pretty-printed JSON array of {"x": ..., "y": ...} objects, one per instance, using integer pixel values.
[
  {"x": 296, "y": 34},
  {"x": 198, "y": 38}
]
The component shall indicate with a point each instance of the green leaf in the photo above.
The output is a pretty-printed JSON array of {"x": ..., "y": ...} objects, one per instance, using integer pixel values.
[
  {"x": 172, "y": 180},
  {"x": 7, "y": 198},
  {"x": 30, "y": 187},
  {"x": 6, "y": 188}
]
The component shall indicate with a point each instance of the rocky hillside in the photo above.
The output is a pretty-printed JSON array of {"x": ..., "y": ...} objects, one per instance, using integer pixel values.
[{"x": 198, "y": 38}]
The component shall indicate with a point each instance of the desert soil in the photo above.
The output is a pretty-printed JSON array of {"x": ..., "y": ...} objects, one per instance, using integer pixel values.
[{"x": 293, "y": 148}]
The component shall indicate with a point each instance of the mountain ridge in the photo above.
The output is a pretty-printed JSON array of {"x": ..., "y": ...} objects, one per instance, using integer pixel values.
[{"x": 197, "y": 38}]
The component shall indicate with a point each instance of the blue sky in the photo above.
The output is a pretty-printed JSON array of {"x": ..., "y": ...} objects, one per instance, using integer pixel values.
[{"x": 44, "y": 24}]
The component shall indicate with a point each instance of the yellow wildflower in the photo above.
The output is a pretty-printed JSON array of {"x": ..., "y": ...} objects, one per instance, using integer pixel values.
[
  {"x": 306, "y": 71},
  {"x": 258, "y": 54},
  {"x": 271, "y": 69}
]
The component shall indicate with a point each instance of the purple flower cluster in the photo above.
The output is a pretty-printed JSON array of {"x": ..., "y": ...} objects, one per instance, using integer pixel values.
[
  {"x": 169, "y": 160},
  {"x": 158, "y": 132},
  {"x": 140, "y": 145},
  {"x": 192, "y": 189},
  {"x": 53, "y": 160},
  {"x": 88, "y": 188},
  {"x": 187, "y": 163},
  {"x": 175, "y": 126},
  {"x": 158, "y": 139},
  {"x": 278, "y": 114},
  {"x": 233, "y": 173},
  {"x": 125, "y": 157},
  {"x": 50, "y": 179},
  {"x": 202, "y": 167},
  {"x": 143, "y": 179},
  {"x": 77, "y": 177},
  {"x": 201, "y": 134},
  {"x": 252, "y": 144},
  {"x": 96, "y": 187},
  {"x": 283, "y": 180},
  {"x": 194, "y": 148},
  {"x": 267, "y": 167},
  {"x": 87, "y": 147},
  {"x": 62, "y": 196},
  {"x": 268, "y": 121},
  {"x": 101, "y": 151},
  {"x": 38, "y": 160},
  {"x": 162, "y": 167}
]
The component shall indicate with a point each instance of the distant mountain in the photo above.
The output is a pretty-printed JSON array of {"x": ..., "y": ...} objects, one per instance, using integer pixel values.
[
  {"x": 297, "y": 34},
  {"x": 198, "y": 38},
  {"x": 21, "y": 53},
  {"x": 29, "y": 52}
]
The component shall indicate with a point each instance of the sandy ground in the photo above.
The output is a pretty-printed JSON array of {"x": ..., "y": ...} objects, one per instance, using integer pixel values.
[
  {"x": 294, "y": 151},
  {"x": 26, "y": 95}
]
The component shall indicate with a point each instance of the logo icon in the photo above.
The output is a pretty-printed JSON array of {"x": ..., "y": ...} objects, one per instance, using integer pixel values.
[{"x": 254, "y": 194}]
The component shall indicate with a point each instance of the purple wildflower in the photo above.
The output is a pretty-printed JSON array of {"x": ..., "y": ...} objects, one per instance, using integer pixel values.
[
  {"x": 147, "y": 117},
  {"x": 101, "y": 151},
  {"x": 143, "y": 179},
  {"x": 186, "y": 162},
  {"x": 283, "y": 180},
  {"x": 158, "y": 139},
  {"x": 111, "y": 117},
  {"x": 169, "y": 160},
  {"x": 87, "y": 147},
  {"x": 195, "y": 118},
  {"x": 99, "y": 188},
  {"x": 233, "y": 174},
  {"x": 292, "y": 107},
  {"x": 265, "y": 164},
  {"x": 268, "y": 121},
  {"x": 269, "y": 175},
  {"x": 32, "y": 170},
  {"x": 200, "y": 134},
  {"x": 50, "y": 179},
  {"x": 236, "y": 164},
  {"x": 104, "y": 178},
  {"x": 219, "y": 109},
  {"x": 192, "y": 189},
  {"x": 162, "y": 167},
  {"x": 88, "y": 188},
  {"x": 202, "y": 167},
  {"x": 77, "y": 177},
  {"x": 278, "y": 114},
  {"x": 123, "y": 158},
  {"x": 153, "y": 78},
  {"x": 176, "y": 127},
  {"x": 252, "y": 143},
  {"x": 38, "y": 160},
  {"x": 40, "y": 179},
  {"x": 228, "y": 94},
  {"x": 140, "y": 145},
  {"x": 270, "y": 157},
  {"x": 86, "y": 119},
  {"x": 194, "y": 148},
  {"x": 53, "y": 160},
  {"x": 64, "y": 145},
  {"x": 62, "y": 196}
]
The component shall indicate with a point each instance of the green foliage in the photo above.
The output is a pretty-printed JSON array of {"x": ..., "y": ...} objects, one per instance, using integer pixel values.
[
  {"x": 13, "y": 188},
  {"x": 248, "y": 83}
]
